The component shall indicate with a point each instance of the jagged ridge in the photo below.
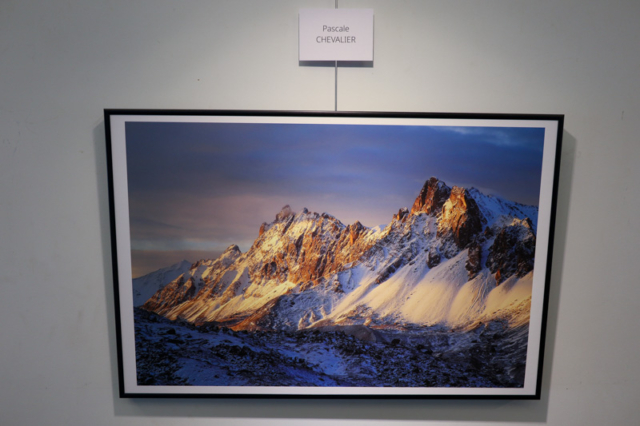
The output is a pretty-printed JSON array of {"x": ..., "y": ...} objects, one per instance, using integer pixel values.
[{"x": 438, "y": 263}]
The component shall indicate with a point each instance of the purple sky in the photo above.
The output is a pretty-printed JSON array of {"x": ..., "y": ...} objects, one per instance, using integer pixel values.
[{"x": 196, "y": 188}]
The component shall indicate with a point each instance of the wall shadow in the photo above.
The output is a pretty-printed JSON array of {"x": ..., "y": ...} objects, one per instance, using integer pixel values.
[{"x": 99, "y": 139}]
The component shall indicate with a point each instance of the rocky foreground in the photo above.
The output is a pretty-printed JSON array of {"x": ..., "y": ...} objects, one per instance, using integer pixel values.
[{"x": 180, "y": 353}]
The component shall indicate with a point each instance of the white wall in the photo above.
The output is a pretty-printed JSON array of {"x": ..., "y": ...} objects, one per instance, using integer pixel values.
[{"x": 63, "y": 61}]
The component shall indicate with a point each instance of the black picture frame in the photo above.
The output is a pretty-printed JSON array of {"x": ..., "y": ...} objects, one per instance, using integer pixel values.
[{"x": 448, "y": 300}]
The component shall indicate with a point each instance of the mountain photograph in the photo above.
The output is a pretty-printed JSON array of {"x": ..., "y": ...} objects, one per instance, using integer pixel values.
[{"x": 336, "y": 256}]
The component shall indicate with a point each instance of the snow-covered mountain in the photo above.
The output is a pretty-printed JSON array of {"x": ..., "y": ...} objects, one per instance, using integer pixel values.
[
  {"x": 146, "y": 286},
  {"x": 456, "y": 259}
]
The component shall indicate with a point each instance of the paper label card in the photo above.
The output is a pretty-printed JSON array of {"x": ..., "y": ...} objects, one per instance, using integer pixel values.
[{"x": 335, "y": 35}]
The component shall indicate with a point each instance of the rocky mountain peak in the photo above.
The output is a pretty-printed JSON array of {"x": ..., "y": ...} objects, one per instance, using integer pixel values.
[
  {"x": 230, "y": 254},
  {"x": 284, "y": 214},
  {"x": 401, "y": 215},
  {"x": 354, "y": 231},
  {"x": 432, "y": 197},
  {"x": 227, "y": 257},
  {"x": 513, "y": 250},
  {"x": 461, "y": 218},
  {"x": 233, "y": 248}
]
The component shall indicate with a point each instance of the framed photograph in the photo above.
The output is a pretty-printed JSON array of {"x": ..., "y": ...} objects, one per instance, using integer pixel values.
[{"x": 331, "y": 254}]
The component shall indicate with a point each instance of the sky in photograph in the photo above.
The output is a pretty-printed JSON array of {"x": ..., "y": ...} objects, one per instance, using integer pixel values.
[{"x": 196, "y": 188}]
